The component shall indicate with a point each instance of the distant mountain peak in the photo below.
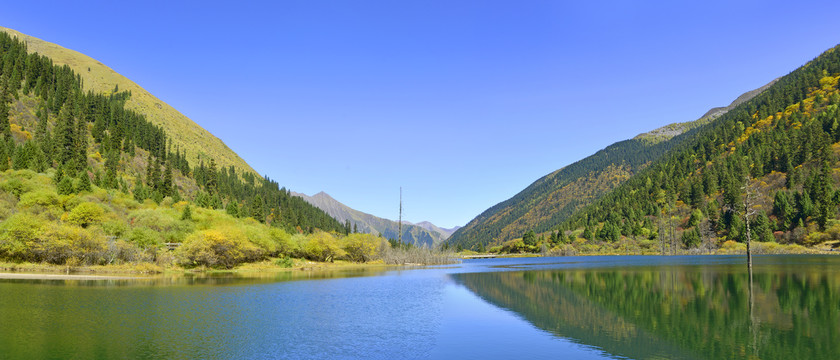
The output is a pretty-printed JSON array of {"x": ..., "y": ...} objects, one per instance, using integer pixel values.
[
  {"x": 413, "y": 233},
  {"x": 668, "y": 131}
]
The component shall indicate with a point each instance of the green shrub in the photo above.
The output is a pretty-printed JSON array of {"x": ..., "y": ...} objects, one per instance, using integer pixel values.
[
  {"x": 360, "y": 247},
  {"x": 219, "y": 248},
  {"x": 285, "y": 262},
  {"x": 282, "y": 242},
  {"x": 259, "y": 235},
  {"x": 62, "y": 243},
  {"x": 145, "y": 238},
  {"x": 115, "y": 227},
  {"x": 19, "y": 182},
  {"x": 322, "y": 246},
  {"x": 42, "y": 197},
  {"x": 18, "y": 235},
  {"x": 85, "y": 214}
]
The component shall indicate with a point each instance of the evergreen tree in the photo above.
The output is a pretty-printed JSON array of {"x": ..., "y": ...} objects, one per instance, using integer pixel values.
[
  {"x": 187, "y": 213},
  {"x": 80, "y": 144},
  {"x": 22, "y": 156},
  {"x": 167, "y": 187},
  {"x": 84, "y": 182},
  {"x": 5, "y": 99},
  {"x": 232, "y": 209},
  {"x": 783, "y": 210},
  {"x": 64, "y": 136},
  {"x": 761, "y": 228},
  {"x": 65, "y": 186},
  {"x": 141, "y": 192},
  {"x": 112, "y": 160},
  {"x": 257, "y": 209},
  {"x": 529, "y": 238},
  {"x": 210, "y": 182}
]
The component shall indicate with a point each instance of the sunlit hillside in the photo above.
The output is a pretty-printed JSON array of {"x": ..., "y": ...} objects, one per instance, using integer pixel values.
[{"x": 183, "y": 132}]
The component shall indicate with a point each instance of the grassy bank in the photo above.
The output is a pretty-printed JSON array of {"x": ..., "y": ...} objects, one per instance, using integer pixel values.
[{"x": 266, "y": 267}]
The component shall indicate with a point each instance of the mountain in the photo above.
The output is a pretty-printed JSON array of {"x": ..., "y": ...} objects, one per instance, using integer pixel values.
[
  {"x": 197, "y": 142},
  {"x": 668, "y": 131},
  {"x": 425, "y": 235},
  {"x": 553, "y": 198},
  {"x": 73, "y": 119},
  {"x": 770, "y": 163},
  {"x": 445, "y": 233}
]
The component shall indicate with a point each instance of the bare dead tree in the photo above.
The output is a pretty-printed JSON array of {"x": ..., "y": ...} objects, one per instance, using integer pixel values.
[
  {"x": 748, "y": 211},
  {"x": 707, "y": 234}
]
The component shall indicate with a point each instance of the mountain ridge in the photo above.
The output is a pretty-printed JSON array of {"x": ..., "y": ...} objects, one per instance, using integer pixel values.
[
  {"x": 554, "y": 197},
  {"x": 367, "y": 223},
  {"x": 199, "y": 143}
]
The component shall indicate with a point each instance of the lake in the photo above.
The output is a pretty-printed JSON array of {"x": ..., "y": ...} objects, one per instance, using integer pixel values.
[{"x": 594, "y": 307}]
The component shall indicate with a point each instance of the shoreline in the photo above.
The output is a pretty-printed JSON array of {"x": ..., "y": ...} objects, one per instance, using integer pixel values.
[
  {"x": 41, "y": 271},
  {"x": 31, "y": 276}
]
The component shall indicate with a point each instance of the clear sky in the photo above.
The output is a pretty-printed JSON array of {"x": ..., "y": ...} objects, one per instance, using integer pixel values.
[{"x": 462, "y": 103}]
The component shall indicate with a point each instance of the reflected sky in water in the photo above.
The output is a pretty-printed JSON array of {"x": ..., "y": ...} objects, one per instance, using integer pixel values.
[{"x": 574, "y": 307}]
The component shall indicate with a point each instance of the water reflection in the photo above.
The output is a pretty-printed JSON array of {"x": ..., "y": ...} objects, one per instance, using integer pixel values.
[
  {"x": 792, "y": 309},
  {"x": 209, "y": 279}
]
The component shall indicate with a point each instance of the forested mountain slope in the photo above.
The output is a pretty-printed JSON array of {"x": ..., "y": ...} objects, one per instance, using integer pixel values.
[
  {"x": 774, "y": 155},
  {"x": 357, "y": 221},
  {"x": 196, "y": 142},
  {"x": 79, "y": 166},
  {"x": 553, "y": 198}
]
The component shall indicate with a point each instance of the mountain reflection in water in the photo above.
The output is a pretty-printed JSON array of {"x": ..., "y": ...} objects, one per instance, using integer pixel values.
[{"x": 678, "y": 311}]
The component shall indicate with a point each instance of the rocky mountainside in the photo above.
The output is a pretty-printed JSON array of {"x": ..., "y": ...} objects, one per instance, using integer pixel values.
[{"x": 421, "y": 235}]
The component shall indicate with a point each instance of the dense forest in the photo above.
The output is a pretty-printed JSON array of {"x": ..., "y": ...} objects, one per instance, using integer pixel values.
[
  {"x": 555, "y": 197},
  {"x": 62, "y": 147},
  {"x": 765, "y": 170}
]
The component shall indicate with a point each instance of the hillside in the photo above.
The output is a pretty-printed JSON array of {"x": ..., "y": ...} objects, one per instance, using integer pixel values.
[
  {"x": 367, "y": 223},
  {"x": 774, "y": 155},
  {"x": 197, "y": 142},
  {"x": 85, "y": 179},
  {"x": 553, "y": 198},
  {"x": 668, "y": 131}
]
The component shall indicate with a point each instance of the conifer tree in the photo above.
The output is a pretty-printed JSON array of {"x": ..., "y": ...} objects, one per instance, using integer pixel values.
[
  {"x": 257, "y": 209},
  {"x": 84, "y": 182},
  {"x": 65, "y": 186},
  {"x": 80, "y": 144},
  {"x": 210, "y": 182},
  {"x": 64, "y": 136},
  {"x": 187, "y": 213},
  {"x": 232, "y": 209},
  {"x": 4, "y": 156},
  {"x": 168, "y": 188},
  {"x": 23, "y": 155},
  {"x": 5, "y": 99}
]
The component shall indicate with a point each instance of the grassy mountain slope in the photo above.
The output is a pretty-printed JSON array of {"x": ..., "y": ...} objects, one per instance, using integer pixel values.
[
  {"x": 99, "y": 78},
  {"x": 367, "y": 223},
  {"x": 553, "y": 198}
]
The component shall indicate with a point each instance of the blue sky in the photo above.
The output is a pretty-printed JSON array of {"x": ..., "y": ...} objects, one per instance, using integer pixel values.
[{"x": 462, "y": 103}]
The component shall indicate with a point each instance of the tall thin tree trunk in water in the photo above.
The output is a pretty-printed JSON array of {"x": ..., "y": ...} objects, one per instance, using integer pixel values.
[
  {"x": 400, "y": 221},
  {"x": 748, "y": 212}
]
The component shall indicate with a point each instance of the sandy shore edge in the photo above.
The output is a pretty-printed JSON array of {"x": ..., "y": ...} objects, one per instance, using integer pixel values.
[{"x": 19, "y": 276}]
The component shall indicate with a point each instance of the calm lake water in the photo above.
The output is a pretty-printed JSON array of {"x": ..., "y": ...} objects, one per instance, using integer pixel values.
[{"x": 691, "y": 307}]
